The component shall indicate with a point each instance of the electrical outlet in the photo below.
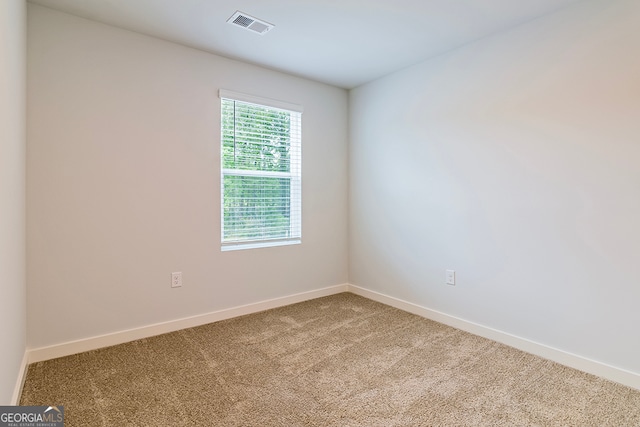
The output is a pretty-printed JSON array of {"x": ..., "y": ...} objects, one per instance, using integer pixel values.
[
  {"x": 176, "y": 279},
  {"x": 451, "y": 277}
]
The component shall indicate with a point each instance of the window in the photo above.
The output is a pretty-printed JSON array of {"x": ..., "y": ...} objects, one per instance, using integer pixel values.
[{"x": 261, "y": 172}]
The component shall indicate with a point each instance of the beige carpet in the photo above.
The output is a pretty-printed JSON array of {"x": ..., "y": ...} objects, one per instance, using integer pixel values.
[{"x": 342, "y": 360}]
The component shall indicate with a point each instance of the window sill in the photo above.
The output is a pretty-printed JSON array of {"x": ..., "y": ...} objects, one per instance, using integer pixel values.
[{"x": 256, "y": 245}]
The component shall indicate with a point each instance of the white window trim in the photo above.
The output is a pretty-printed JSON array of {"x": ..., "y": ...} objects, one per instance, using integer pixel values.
[{"x": 295, "y": 175}]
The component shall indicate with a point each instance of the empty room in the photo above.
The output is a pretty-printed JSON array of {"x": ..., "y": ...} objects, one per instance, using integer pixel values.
[{"x": 319, "y": 213}]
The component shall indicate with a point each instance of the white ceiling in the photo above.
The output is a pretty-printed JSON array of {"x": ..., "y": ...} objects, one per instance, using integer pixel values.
[{"x": 341, "y": 42}]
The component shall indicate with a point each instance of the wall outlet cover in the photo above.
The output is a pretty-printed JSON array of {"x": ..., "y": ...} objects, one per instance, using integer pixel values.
[
  {"x": 451, "y": 277},
  {"x": 176, "y": 279}
]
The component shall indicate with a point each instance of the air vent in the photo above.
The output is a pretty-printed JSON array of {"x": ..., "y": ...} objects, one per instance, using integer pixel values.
[{"x": 250, "y": 23}]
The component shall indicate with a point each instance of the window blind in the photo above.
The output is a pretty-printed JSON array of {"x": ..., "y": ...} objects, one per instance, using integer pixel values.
[{"x": 261, "y": 172}]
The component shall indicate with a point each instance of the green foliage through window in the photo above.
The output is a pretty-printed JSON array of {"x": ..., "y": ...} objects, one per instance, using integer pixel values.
[{"x": 260, "y": 172}]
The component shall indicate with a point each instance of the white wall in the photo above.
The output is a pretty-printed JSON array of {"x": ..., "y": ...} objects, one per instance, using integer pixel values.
[
  {"x": 123, "y": 182},
  {"x": 515, "y": 161},
  {"x": 12, "y": 194}
]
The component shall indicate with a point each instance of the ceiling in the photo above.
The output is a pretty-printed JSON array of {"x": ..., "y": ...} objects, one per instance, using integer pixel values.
[{"x": 341, "y": 42}]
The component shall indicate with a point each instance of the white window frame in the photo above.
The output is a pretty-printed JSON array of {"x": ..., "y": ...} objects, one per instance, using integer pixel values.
[{"x": 295, "y": 175}]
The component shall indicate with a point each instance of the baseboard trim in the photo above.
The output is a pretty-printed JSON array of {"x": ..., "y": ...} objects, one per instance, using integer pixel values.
[
  {"x": 612, "y": 373},
  {"x": 621, "y": 376},
  {"x": 22, "y": 376},
  {"x": 94, "y": 343}
]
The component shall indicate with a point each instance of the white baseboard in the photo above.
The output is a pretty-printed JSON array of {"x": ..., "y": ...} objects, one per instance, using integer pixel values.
[
  {"x": 621, "y": 376},
  {"x": 630, "y": 379},
  {"x": 22, "y": 376},
  {"x": 93, "y": 343}
]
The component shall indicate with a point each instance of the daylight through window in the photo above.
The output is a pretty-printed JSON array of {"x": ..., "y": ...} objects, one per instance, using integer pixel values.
[{"x": 261, "y": 172}]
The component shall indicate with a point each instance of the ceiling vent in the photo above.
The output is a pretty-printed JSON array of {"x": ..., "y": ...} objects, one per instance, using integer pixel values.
[{"x": 250, "y": 23}]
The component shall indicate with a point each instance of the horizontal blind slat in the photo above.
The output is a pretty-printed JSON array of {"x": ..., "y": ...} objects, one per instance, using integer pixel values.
[{"x": 261, "y": 186}]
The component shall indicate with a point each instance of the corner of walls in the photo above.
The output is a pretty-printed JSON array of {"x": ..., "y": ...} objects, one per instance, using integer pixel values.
[
  {"x": 93, "y": 343},
  {"x": 513, "y": 161},
  {"x": 12, "y": 193},
  {"x": 22, "y": 376},
  {"x": 612, "y": 373}
]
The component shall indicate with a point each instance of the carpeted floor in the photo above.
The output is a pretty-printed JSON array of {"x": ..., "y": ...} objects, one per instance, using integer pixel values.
[{"x": 341, "y": 361}]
